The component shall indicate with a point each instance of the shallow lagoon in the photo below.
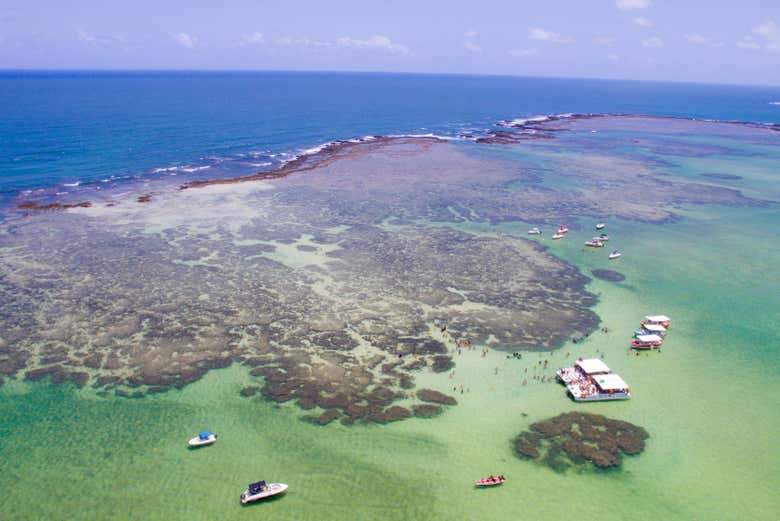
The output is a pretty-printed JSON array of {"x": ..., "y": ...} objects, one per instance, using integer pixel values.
[{"x": 708, "y": 400}]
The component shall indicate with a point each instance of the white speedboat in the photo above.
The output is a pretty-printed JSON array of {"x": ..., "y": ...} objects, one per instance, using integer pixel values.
[
  {"x": 600, "y": 226},
  {"x": 595, "y": 244},
  {"x": 563, "y": 229},
  {"x": 603, "y": 237},
  {"x": 615, "y": 254},
  {"x": 534, "y": 231},
  {"x": 558, "y": 235},
  {"x": 204, "y": 438},
  {"x": 262, "y": 490}
]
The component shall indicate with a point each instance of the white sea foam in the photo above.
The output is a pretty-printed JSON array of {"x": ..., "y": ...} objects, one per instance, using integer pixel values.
[
  {"x": 518, "y": 122},
  {"x": 774, "y": 102},
  {"x": 191, "y": 169}
]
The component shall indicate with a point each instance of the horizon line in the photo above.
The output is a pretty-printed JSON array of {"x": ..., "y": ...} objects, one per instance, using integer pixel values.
[{"x": 378, "y": 73}]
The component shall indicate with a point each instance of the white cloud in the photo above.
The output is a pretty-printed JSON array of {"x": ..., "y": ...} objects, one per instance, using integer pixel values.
[
  {"x": 613, "y": 57},
  {"x": 604, "y": 40},
  {"x": 86, "y": 37},
  {"x": 524, "y": 52},
  {"x": 770, "y": 32},
  {"x": 535, "y": 33},
  {"x": 301, "y": 41},
  {"x": 653, "y": 43},
  {"x": 376, "y": 41},
  {"x": 748, "y": 43},
  {"x": 471, "y": 33},
  {"x": 96, "y": 40},
  {"x": 472, "y": 47},
  {"x": 702, "y": 40},
  {"x": 254, "y": 38},
  {"x": 186, "y": 40},
  {"x": 643, "y": 22},
  {"x": 765, "y": 36},
  {"x": 626, "y": 5}
]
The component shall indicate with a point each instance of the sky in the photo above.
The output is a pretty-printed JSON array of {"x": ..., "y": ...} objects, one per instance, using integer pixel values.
[{"x": 666, "y": 40}]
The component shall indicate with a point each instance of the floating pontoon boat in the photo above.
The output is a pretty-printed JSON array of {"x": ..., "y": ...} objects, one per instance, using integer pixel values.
[{"x": 600, "y": 388}]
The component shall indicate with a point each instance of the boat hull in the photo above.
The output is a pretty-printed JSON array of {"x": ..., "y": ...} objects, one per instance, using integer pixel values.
[
  {"x": 197, "y": 442},
  {"x": 274, "y": 489},
  {"x": 601, "y": 397}
]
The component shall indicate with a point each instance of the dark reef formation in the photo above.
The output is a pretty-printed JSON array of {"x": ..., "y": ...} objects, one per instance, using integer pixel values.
[
  {"x": 578, "y": 438},
  {"x": 612, "y": 276},
  {"x": 325, "y": 286}
]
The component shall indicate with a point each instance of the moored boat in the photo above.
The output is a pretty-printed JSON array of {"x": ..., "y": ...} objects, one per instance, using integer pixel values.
[
  {"x": 603, "y": 237},
  {"x": 662, "y": 320},
  {"x": 615, "y": 254},
  {"x": 594, "y": 244},
  {"x": 563, "y": 229},
  {"x": 599, "y": 388},
  {"x": 202, "y": 439},
  {"x": 490, "y": 481},
  {"x": 582, "y": 369},
  {"x": 534, "y": 231},
  {"x": 262, "y": 490},
  {"x": 600, "y": 226},
  {"x": 558, "y": 235},
  {"x": 654, "y": 329},
  {"x": 647, "y": 342}
]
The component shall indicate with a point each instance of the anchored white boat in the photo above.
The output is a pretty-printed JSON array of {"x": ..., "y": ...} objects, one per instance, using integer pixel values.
[
  {"x": 602, "y": 237},
  {"x": 563, "y": 228},
  {"x": 654, "y": 329},
  {"x": 594, "y": 244},
  {"x": 600, "y": 226},
  {"x": 582, "y": 369},
  {"x": 558, "y": 235},
  {"x": 599, "y": 388},
  {"x": 615, "y": 255},
  {"x": 662, "y": 320},
  {"x": 649, "y": 341},
  {"x": 262, "y": 490},
  {"x": 204, "y": 438},
  {"x": 534, "y": 231}
]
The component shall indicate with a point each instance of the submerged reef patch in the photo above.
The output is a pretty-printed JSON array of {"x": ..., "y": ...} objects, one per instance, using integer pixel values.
[
  {"x": 326, "y": 286},
  {"x": 612, "y": 276},
  {"x": 576, "y": 438}
]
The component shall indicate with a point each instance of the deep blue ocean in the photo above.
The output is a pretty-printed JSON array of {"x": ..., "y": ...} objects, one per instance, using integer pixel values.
[{"x": 62, "y": 128}]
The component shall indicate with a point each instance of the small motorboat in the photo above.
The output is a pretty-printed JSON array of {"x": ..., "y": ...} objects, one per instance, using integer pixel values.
[
  {"x": 563, "y": 229},
  {"x": 490, "y": 481},
  {"x": 204, "y": 438},
  {"x": 600, "y": 226},
  {"x": 262, "y": 490},
  {"x": 534, "y": 231},
  {"x": 558, "y": 235},
  {"x": 603, "y": 237},
  {"x": 615, "y": 254},
  {"x": 594, "y": 244}
]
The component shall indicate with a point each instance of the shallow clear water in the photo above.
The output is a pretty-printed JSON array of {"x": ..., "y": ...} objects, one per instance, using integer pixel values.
[{"x": 708, "y": 399}]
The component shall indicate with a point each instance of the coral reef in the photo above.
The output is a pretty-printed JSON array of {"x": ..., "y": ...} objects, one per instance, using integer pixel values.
[{"x": 577, "y": 438}]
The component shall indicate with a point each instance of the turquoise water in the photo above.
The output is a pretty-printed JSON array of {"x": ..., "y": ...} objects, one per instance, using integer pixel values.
[{"x": 709, "y": 399}]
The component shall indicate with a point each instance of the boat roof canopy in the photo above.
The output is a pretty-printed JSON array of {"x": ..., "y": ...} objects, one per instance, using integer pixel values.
[
  {"x": 649, "y": 338},
  {"x": 593, "y": 366},
  {"x": 256, "y": 488},
  {"x": 658, "y": 318},
  {"x": 655, "y": 327},
  {"x": 204, "y": 435},
  {"x": 611, "y": 382}
]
